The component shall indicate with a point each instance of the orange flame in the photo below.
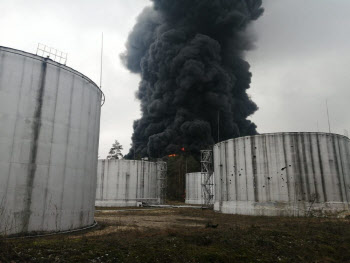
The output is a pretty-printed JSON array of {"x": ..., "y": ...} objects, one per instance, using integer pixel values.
[{"x": 172, "y": 155}]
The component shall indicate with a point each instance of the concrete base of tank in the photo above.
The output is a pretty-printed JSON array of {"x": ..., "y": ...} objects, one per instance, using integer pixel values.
[
  {"x": 194, "y": 201},
  {"x": 281, "y": 208},
  {"x": 53, "y": 220}
]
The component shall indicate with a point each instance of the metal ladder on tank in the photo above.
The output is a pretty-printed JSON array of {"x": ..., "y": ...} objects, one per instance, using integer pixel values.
[{"x": 207, "y": 178}]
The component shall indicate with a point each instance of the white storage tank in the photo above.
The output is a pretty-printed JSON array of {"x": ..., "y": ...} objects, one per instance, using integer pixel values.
[
  {"x": 122, "y": 183},
  {"x": 194, "y": 189},
  {"x": 286, "y": 174},
  {"x": 49, "y": 134},
  {"x": 194, "y": 194}
]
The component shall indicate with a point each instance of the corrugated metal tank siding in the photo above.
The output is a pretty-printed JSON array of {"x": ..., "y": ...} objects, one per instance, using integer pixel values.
[
  {"x": 125, "y": 182},
  {"x": 49, "y": 119},
  {"x": 295, "y": 174},
  {"x": 194, "y": 189}
]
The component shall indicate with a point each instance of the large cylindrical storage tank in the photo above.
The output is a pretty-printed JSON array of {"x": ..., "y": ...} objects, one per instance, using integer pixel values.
[
  {"x": 122, "y": 183},
  {"x": 194, "y": 189},
  {"x": 194, "y": 184},
  {"x": 49, "y": 134},
  {"x": 286, "y": 174}
]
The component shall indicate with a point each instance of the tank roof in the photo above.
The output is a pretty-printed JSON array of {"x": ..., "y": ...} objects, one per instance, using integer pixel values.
[
  {"x": 49, "y": 61},
  {"x": 286, "y": 133}
]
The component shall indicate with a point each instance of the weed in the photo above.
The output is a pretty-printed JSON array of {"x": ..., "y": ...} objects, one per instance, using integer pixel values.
[{"x": 180, "y": 235}]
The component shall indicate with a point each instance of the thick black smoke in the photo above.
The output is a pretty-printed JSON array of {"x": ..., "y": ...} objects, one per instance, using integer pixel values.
[{"x": 190, "y": 56}]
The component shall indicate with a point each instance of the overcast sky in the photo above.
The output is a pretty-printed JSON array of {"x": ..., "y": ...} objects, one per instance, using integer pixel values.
[{"x": 302, "y": 58}]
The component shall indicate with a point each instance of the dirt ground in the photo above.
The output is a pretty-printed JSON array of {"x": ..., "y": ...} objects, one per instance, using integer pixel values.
[
  {"x": 189, "y": 235},
  {"x": 160, "y": 219}
]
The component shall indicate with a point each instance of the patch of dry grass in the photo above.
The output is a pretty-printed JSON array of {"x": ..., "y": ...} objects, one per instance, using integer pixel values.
[{"x": 188, "y": 235}]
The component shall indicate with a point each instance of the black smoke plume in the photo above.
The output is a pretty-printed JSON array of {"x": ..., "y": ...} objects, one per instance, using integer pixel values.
[{"x": 190, "y": 57}]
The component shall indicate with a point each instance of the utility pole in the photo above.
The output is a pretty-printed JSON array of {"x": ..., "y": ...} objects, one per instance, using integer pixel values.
[
  {"x": 134, "y": 151},
  {"x": 329, "y": 124},
  {"x": 101, "y": 62},
  {"x": 218, "y": 126}
]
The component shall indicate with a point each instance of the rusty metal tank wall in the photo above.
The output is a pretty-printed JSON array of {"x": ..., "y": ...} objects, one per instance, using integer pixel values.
[
  {"x": 194, "y": 189},
  {"x": 122, "y": 183},
  {"x": 49, "y": 134},
  {"x": 287, "y": 174}
]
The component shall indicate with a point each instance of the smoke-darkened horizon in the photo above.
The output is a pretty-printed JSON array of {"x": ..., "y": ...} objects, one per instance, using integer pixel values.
[{"x": 193, "y": 92}]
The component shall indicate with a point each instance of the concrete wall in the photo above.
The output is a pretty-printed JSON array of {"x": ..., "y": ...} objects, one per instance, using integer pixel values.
[
  {"x": 49, "y": 119},
  {"x": 194, "y": 189},
  {"x": 126, "y": 182},
  {"x": 292, "y": 174}
]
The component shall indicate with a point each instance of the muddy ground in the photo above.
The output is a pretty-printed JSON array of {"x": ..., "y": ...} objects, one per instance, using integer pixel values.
[{"x": 189, "y": 235}]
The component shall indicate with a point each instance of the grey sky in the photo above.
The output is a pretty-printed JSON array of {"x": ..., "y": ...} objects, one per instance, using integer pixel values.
[{"x": 302, "y": 58}]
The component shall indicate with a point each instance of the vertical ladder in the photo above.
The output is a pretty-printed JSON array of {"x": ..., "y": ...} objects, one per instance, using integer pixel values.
[{"x": 207, "y": 178}]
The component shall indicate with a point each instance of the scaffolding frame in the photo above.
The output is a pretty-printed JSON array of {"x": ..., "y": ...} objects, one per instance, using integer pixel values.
[
  {"x": 162, "y": 170},
  {"x": 207, "y": 178}
]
